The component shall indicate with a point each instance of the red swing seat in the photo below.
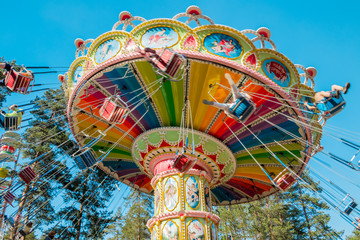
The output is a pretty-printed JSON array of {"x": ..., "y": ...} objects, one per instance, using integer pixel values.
[
  {"x": 19, "y": 81},
  {"x": 183, "y": 163},
  {"x": 9, "y": 197},
  {"x": 114, "y": 110},
  {"x": 27, "y": 174},
  {"x": 170, "y": 63},
  {"x": 285, "y": 181}
]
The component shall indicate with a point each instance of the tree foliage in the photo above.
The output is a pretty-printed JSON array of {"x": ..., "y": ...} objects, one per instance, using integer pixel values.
[
  {"x": 296, "y": 214},
  {"x": 132, "y": 224}
]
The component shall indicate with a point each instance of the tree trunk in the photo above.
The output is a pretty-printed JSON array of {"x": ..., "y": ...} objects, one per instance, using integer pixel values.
[
  {"x": 256, "y": 223},
  {"x": 21, "y": 205},
  {"x": 139, "y": 227},
  {"x": 305, "y": 213},
  {"x": 78, "y": 227},
  {"x": 231, "y": 236},
  {"x": 269, "y": 219},
  {"x": 280, "y": 216}
]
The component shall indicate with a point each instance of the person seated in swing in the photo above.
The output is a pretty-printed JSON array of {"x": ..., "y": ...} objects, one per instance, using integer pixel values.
[
  {"x": 14, "y": 111},
  {"x": 240, "y": 108},
  {"x": 7, "y": 67},
  {"x": 324, "y": 95}
]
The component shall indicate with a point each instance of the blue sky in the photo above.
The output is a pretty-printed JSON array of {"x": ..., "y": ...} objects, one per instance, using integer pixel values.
[{"x": 323, "y": 34}]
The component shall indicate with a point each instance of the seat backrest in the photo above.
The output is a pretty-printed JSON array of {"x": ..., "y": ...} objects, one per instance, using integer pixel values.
[{"x": 86, "y": 159}]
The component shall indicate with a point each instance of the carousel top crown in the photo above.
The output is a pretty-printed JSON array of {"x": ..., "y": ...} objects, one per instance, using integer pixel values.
[{"x": 136, "y": 96}]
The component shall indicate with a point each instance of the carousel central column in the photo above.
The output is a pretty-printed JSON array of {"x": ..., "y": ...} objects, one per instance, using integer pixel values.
[{"x": 182, "y": 204}]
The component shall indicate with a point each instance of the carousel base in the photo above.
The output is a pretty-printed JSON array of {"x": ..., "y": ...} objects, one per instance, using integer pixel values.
[{"x": 183, "y": 169}]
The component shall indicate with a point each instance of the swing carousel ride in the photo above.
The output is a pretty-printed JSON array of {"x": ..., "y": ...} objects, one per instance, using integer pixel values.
[{"x": 197, "y": 116}]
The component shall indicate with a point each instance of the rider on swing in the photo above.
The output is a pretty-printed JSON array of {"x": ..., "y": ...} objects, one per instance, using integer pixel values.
[{"x": 241, "y": 102}]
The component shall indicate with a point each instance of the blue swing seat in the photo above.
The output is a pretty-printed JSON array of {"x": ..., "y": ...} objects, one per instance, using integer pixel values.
[
  {"x": 9, "y": 123},
  {"x": 350, "y": 207},
  {"x": 243, "y": 109},
  {"x": 331, "y": 106},
  {"x": 85, "y": 159}
]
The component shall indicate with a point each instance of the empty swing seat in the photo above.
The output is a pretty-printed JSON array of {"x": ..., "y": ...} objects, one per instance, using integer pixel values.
[
  {"x": 85, "y": 159},
  {"x": 285, "y": 181},
  {"x": 19, "y": 81},
  {"x": 350, "y": 207},
  {"x": 331, "y": 106},
  {"x": 183, "y": 163},
  {"x": 242, "y": 109},
  {"x": 114, "y": 110},
  {"x": 9, "y": 122},
  {"x": 170, "y": 63},
  {"x": 27, "y": 174},
  {"x": 9, "y": 197}
]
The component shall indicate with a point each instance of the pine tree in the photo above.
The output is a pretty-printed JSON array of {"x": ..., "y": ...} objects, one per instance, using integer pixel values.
[
  {"x": 354, "y": 236},
  {"x": 309, "y": 211},
  {"x": 46, "y": 132},
  {"x": 87, "y": 196},
  {"x": 296, "y": 214},
  {"x": 133, "y": 223}
]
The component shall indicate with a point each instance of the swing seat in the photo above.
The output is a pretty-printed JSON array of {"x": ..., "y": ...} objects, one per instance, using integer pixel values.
[
  {"x": 4, "y": 172},
  {"x": 170, "y": 63},
  {"x": 19, "y": 81},
  {"x": 9, "y": 140},
  {"x": 114, "y": 110},
  {"x": 27, "y": 174},
  {"x": 285, "y": 181},
  {"x": 15, "y": 136},
  {"x": 9, "y": 197},
  {"x": 350, "y": 207},
  {"x": 6, "y": 157},
  {"x": 331, "y": 106},
  {"x": 86, "y": 158},
  {"x": 9, "y": 122},
  {"x": 243, "y": 109},
  {"x": 7, "y": 149},
  {"x": 183, "y": 163}
]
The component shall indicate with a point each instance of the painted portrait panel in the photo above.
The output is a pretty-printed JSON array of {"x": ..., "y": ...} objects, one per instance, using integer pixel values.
[
  {"x": 277, "y": 72},
  {"x": 192, "y": 192},
  {"x": 160, "y": 37},
  {"x": 170, "y": 231},
  {"x": 107, "y": 50},
  {"x": 171, "y": 194},
  {"x": 78, "y": 73},
  {"x": 195, "y": 230},
  {"x": 222, "y": 45}
]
